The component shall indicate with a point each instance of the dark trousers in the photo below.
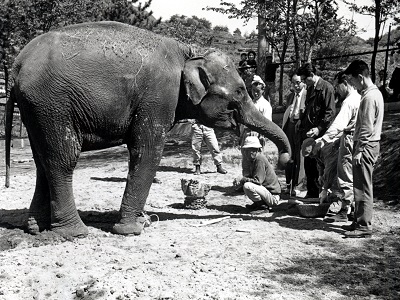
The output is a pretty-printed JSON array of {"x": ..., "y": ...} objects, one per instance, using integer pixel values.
[
  {"x": 311, "y": 171},
  {"x": 292, "y": 169},
  {"x": 362, "y": 184}
]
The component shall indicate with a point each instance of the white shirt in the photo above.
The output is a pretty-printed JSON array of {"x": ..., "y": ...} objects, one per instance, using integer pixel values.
[
  {"x": 264, "y": 107},
  {"x": 295, "y": 106},
  {"x": 345, "y": 119}
]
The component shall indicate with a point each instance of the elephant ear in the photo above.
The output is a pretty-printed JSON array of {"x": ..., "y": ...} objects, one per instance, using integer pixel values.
[{"x": 196, "y": 79}]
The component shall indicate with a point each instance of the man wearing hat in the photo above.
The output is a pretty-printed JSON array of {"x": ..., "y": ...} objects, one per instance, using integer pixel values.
[
  {"x": 262, "y": 185},
  {"x": 265, "y": 108}
]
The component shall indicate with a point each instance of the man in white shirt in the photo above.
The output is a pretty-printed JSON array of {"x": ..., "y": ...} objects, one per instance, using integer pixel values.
[
  {"x": 342, "y": 128},
  {"x": 295, "y": 102},
  {"x": 257, "y": 89}
]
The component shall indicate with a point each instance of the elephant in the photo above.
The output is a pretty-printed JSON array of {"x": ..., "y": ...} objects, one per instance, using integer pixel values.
[{"x": 97, "y": 85}]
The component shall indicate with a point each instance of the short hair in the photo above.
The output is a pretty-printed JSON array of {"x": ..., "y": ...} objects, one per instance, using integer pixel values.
[
  {"x": 341, "y": 77},
  {"x": 251, "y": 52},
  {"x": 243, "y": 54},
  {"x": 357, "y": 67},
  {"x": 306, "y": 70}
]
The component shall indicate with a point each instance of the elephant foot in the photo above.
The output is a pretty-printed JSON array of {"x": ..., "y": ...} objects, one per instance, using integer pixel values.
[
  {"x": 131, "y": 226},
  {"x": 35, "y": 225},
  {"x": 71, "y": 230}
]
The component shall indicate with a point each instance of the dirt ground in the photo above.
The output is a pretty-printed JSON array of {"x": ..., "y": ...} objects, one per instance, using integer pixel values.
[{"x": 275, "y": 255}]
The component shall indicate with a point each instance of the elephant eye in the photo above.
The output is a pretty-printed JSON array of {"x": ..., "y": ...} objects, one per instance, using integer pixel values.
[{"x": 239, "y": 91}]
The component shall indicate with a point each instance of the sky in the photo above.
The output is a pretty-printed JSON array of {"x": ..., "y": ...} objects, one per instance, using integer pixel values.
[{"x": 168, "y": 8}]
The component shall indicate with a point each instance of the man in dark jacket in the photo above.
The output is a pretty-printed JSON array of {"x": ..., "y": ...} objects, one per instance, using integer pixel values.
[{"x": 319, "y": 112}]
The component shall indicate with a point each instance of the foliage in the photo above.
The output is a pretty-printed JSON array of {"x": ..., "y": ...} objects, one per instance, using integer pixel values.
[
  {"x": 193, "y": 31},
  {"x": 221, "y": 28},
  {"x": 382, "y": 11},
  {"x": 125, "y": 12}
]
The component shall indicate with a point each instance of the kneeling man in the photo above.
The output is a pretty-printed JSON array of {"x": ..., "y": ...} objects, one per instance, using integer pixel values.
[{"x": 262, "y": 186}]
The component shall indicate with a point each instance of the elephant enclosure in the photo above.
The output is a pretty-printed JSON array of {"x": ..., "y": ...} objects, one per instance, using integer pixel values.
[{"x": 276, "y": 255}]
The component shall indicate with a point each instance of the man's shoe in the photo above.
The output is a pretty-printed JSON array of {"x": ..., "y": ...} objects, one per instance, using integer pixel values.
[
  {"x": 312, "y": 195},
  {"x": 353, "y": 226},
  {"x": 221, "y": 170},
  {"x": 341, "y": 216},
  {"x": 259, "y": 205},
  {"x": 197, "y": 171},
  {"x": 358, "y": 233},
  {"x": 239, "y": 189}
]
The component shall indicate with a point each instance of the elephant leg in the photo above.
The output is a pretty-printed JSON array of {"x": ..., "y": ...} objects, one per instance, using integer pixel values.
[
  {"x": 39, "y": 211},
  {"x": 145, "y": 149},
  {"x": 57, "y": 149}
]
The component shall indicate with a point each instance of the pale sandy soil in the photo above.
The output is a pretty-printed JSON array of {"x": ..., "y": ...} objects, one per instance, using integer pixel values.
[{"x": 277, "y": 255}]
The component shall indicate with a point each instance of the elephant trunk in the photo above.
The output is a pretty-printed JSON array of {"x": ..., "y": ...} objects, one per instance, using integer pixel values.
[{"x": 254, "y": 120}]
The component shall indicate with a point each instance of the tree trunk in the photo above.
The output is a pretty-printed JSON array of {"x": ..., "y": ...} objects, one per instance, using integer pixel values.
[
  {"x": 262, "y": 42},
  {"x": 376, "y": 38}
]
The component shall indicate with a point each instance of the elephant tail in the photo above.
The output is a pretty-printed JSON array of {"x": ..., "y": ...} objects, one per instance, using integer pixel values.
[{"x": 9, "y": 120}]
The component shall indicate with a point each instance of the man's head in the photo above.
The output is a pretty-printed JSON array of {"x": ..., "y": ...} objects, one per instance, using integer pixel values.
[
  {"x": 251, "y": 147},
  {"x": 297, "y": 84},
  {"x": 243, "y": 56},
  {"x": 257, "y": 87},
  {"x": 342, "y": 85},
  {"x": 307, "y": 73},
  {"x": 358, "y": 72},
  {"x": 251, "y": 55}
]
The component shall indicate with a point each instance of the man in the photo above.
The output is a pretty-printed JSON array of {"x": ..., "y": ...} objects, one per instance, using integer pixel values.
[
  {"x": 265, "y": 108},
  {"x": 316, "y": 118},
  {"x": 201, "y": 132},
  {"x": 342, "y": 129},
  {"x": 262, "y": 185},
  {"x": 270, "y": 76},
  {"x": 367, "y": 134},
  {"x": 295, "y": 103}
]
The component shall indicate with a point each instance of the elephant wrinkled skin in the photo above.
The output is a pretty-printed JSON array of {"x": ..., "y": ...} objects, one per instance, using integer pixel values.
[{"x": 97, "y": 85}]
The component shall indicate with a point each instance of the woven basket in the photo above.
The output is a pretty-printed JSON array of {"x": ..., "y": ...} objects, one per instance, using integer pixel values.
[{"x": 313, "y": 210}]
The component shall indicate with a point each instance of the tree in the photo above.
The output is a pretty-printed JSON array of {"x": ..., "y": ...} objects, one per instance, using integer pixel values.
[
  {"x": 308, "y": 24},
  {"x": 382, "y": 11},
  {"x": 221, "y": 28},
  {"x": 193, "y": 31}
]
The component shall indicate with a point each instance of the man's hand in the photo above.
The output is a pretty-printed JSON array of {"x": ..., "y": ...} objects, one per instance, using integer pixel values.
[
  {"x": 357, "y": 158},
  {"x": 323, "y": 196},
  {"x": 313, "y": 132},
  {"x": 319, "y": 144},
  {"x": 244, "y": 180}
]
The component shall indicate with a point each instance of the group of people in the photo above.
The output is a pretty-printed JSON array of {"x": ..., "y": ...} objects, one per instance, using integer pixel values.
[{"x": 338, "y": 150}]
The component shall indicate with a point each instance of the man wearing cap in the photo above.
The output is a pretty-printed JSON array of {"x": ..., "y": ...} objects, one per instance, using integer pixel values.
[
  {"x": 262, "y": 185},
  {"x": 265, "y": 108},
  {"x": 366, "y": 138}
]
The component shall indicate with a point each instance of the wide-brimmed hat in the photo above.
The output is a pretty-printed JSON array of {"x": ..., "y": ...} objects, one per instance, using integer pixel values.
[
  {"x": 251, "y": 142},
  {"x": 307, "y": 147},
  {"x": 257, "y": 79}
]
